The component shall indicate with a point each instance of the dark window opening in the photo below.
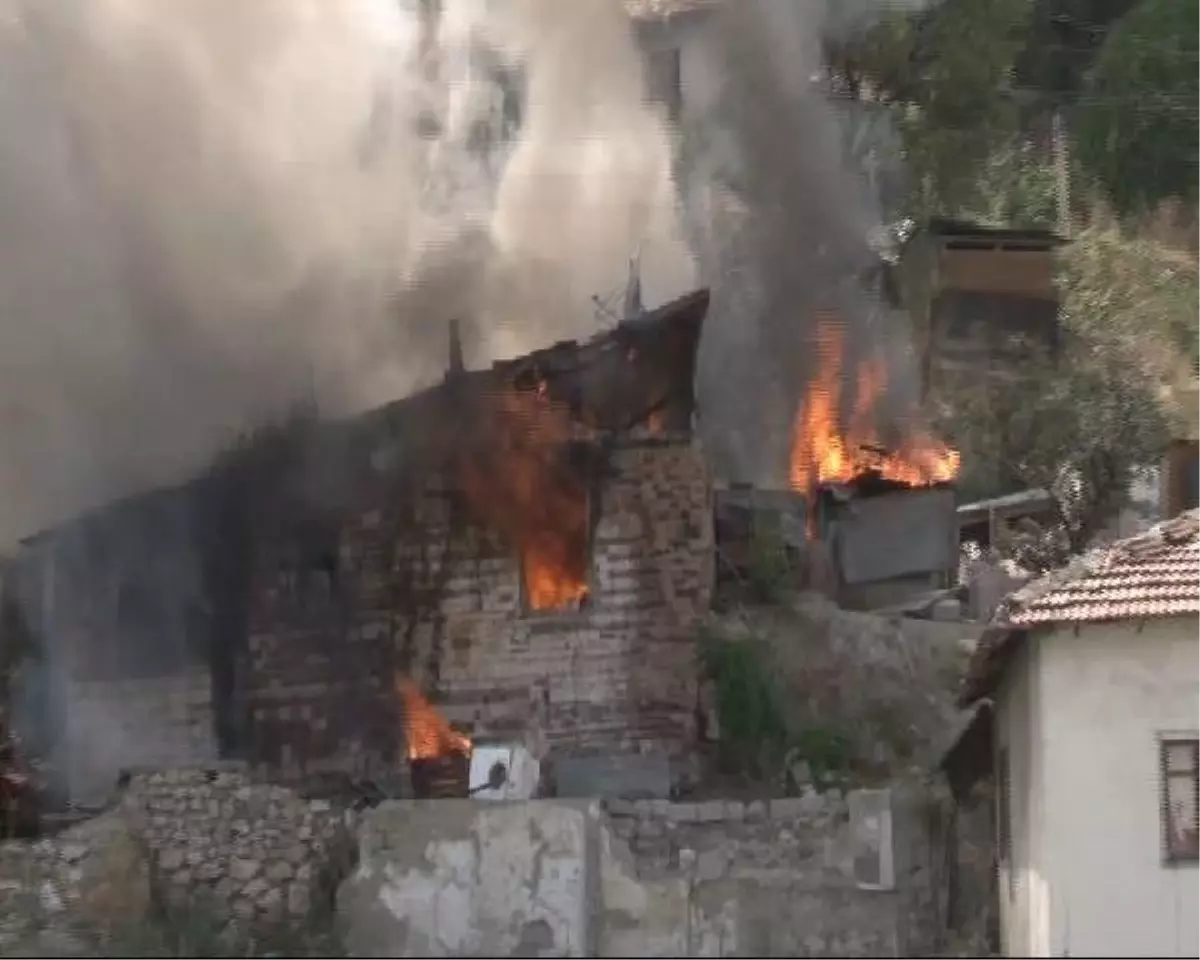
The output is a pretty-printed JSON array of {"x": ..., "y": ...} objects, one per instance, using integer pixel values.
[
  {"x": 1179, "y": 761},
  {"x": 666, "y": 86},
  {"x": 316, "y": 563}
]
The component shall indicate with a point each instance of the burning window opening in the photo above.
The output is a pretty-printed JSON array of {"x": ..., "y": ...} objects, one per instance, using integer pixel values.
[
  {"x": 522, "y": 482},
  {"x": 555, "y": 563},
  {"x": 828, "y": 448}
]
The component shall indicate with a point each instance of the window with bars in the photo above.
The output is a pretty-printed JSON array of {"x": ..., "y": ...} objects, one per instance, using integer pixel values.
[{"x": 1179, "y": 760}]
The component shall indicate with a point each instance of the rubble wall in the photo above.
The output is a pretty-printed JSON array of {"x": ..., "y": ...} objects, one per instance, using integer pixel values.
[
  {"x": 771, "y": 878},
  {"x": 197, "y": 846},
  {"x": 427, "y": 592},
  {"x": 474, "y": 878},
  {"x": 255, "y": 855}
]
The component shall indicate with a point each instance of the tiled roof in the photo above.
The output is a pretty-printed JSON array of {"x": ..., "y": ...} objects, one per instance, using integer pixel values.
[{"x": 1156, "y": 574}]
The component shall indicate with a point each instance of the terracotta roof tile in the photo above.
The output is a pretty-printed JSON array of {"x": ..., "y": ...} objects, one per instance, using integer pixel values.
[{"x": 1156, "y": 574}]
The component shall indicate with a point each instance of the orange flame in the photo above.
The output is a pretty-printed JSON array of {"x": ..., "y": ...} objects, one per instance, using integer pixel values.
[
  {"x": 519, "y": 484},
  {"x": 825, "y": 452},
  {"x": 426, "y": 734}
]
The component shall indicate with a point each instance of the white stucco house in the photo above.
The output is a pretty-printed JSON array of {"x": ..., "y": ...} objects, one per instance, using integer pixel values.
[{"x": 1089, "y": 682}]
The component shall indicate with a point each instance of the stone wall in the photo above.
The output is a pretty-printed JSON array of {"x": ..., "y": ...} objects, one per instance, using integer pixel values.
[
  {"x": 191, "y": 846},
  {"x": 423, "y": 590},
  {"x": 475, "y": 878},
  {"x": 255, "y": 854},
  {"x": 57, "y": 893},
  {"x": 777, "y": 878}
]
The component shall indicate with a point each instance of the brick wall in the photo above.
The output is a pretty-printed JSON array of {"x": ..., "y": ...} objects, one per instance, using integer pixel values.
[{"x": 419, "y": 588}]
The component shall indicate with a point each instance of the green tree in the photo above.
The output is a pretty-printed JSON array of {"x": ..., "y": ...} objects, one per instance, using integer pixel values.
[
  {"x": 947, "y": 72},
  {"x": 1136, "y": 122},
  {"x": 1081, "y": 425}
]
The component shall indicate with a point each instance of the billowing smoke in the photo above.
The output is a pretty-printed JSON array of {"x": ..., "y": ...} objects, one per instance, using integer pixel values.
[
  {"x": 210, "y": 207},
  {"x": 780, "y": 216}
]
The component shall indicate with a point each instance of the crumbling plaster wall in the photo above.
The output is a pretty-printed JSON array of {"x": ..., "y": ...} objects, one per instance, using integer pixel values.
[
  {"x": 419, "y": 588},
  {"x": 645, "y": 879},
  {"x": 459, "y": 879}
]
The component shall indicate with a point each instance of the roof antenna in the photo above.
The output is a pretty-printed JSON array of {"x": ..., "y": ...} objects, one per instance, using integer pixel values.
[
  {"x": 455, "y": 366},
  {"x": 633, "y": 290}
]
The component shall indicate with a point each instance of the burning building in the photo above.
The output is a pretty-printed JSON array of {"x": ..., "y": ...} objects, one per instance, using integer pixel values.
[
  {"x": 884, "y": 505},
  {"x": 520, "y": 554}
]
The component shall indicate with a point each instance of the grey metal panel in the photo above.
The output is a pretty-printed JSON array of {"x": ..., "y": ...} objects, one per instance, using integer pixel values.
[
  {"x": 896, "y": 535},
  {"x": 627, "y": 776}
]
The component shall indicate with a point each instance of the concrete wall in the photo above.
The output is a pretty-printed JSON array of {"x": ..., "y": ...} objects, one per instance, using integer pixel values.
[
  {"x": 459, "y": 878},
  {"x": 474, "y": 878},
  {"x": 1022, "y": 875},
  {"x": 1109, "y": 693},
  {"x": 645, "y": 879},
  {"x": 432, "y": 595}
]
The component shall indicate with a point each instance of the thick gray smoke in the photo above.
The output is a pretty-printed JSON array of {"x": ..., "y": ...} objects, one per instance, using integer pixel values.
[
  {"x": 211, "y": 206},
  {"x": 781, "y": 218}
]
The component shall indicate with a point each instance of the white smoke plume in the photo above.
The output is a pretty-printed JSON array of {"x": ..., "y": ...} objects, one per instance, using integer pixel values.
[{"x": 209, "y": 206}]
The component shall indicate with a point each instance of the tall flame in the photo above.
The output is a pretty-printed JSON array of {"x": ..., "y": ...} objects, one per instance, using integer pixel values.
[
  {"x": 427, "y": 735},
  {"x": 825, "y": 451},
  {"x": 520, "y": 484}
]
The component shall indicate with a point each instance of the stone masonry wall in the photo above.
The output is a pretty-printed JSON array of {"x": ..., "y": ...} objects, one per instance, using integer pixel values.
[
  {"x": 773, "y": 878},
  {"x": 197, "y": 845},
  {"x": 255, "y": 855},
  {"x": 618, "y": 675},
  {"x": 718, "y": 878}
]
